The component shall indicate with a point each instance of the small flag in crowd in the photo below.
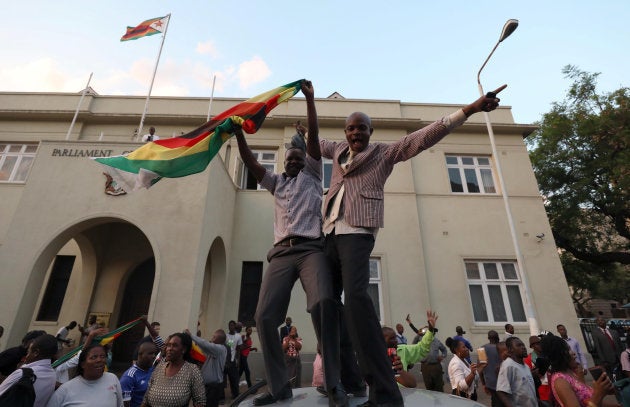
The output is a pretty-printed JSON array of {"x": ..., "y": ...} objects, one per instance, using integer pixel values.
[
  {"x": 192, "y": 152},
  {"x": 146, "y": 28}
]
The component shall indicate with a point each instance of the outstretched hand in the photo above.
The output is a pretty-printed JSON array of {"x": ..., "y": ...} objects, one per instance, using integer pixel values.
[
  {"x": 307, "y": 89},
  {"x": 485, "y": 103}
]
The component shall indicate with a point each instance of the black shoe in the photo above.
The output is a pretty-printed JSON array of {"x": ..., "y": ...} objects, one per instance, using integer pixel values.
[
  {"x": 370, "y": 403},
  {"x": 269, "y": 398},
  {"x": 357, "y": 391},
  {"x": 322, "y": 390},
  {"x": 337, "y": 397}
]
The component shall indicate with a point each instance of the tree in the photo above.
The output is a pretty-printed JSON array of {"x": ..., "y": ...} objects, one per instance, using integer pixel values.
[{"x": 581, "y": 158}]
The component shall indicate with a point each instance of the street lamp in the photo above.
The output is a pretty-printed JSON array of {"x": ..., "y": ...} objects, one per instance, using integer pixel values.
[{"x": 508, "y": 29}]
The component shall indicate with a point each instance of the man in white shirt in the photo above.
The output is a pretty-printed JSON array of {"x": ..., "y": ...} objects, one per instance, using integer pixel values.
[
  {"x": 38, "y": 358},
  {"x": 151, "y": 136},
  {"x": 62, "y": 335},
  {"x": 574, "y": 345}
]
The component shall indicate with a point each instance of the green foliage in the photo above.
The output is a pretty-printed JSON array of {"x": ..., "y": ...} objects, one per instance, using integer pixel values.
[{"x": 581, "y": 159}]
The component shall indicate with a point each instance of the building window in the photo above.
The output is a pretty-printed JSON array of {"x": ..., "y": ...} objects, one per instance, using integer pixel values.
[
  {"x": 246, "y": 180},
  {"x": 375, "y": 287},
  {"x": 470, "y": 175},
  {"x": 250, "y": 288},
  {"x": 495, "y": 291},
  {"x": 56, "y": 288},
  {"x": 326, "y": 172},
  {"x": 16, "y": 161}
]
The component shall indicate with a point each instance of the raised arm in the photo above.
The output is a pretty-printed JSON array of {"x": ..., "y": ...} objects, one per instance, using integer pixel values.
[
  {"x": 312, "y": 144},
  {"x": 248, "y": 158},
  {"x": 486, "y": 103}
]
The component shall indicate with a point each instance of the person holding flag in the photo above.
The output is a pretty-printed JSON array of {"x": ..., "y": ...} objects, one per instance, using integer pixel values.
[{"x": 297, "y": 253}]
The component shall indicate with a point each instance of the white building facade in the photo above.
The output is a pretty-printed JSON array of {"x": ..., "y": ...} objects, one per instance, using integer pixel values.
[{"x": 193, "y": 250}]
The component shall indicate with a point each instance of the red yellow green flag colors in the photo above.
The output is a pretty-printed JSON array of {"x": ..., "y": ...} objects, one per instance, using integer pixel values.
[
  {"x": 103, "y": 340},
  {"x": 192, "y": 152},
  {"x": 149, "y": 27}
]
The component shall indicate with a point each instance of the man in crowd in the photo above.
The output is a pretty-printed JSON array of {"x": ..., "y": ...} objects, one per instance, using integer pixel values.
[
  {"x": 515, "y": 383},
  {"x": 607, "y": 346},
  {"x": 234, "y": 341},
  {"x": 135, "y": 380},
  {"x": 62, "y": 335},
  {"x": 431, "y": 365},
  {"x": 10, "y": 358},
  {"x": 399, "y": 334},
  {"x": 509, "y": 331},
  {"x": 41, "y": 351},
  {"x": 488, "y": 375},
  {"x": 151, "y": 136},
  {"x": 354, "y": 211},
  {"x": 212, "y": 369},
  {"x": 574, "y": 345},
  {"x": 284, "y": 330}
]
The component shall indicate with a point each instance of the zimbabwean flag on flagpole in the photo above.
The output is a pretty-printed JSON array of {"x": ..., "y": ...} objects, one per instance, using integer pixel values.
[
  {"x": 191, "y": 153},
  {"x": 103, "y": 340},
  {"x": 149, "y": 27}
]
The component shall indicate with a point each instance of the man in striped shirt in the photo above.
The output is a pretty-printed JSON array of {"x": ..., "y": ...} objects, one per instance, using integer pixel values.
[{"x": 354, "y": 212}]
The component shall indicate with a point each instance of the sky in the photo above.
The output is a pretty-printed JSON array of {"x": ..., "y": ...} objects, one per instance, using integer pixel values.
[{"x": 413, "y": 51}]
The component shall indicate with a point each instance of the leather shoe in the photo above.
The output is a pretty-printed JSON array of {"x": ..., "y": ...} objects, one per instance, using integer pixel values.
[
  {"x": 269, "y": 398},
  {"x": 357, "y": 391},
  {"x": 370, "y": 403},
  {"x": 322, "y": 390},
  {"x": 337, "y": 397}
]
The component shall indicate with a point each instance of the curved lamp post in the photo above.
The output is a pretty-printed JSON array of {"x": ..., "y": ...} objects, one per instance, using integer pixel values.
[{"x": 508, "y": 29}]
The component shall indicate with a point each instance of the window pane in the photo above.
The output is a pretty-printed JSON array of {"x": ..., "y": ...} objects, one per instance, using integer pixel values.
[
  {"x": 15, "y": 148},
  {"x": 269, "y": 156},
  {"x": 496, "y": 301},
  {"x": 25, "y": 165},
  {"x": 374, "y": 269},
  {"x": 451, "y": 159},
  {"x": 56, "y": 288},
  {"x": 491, "y": 271},
  {"x": 7, "y": 168},
  {"x": 456, "y": 180},
  {"x": 467, "y": 161},
  {"x": 488, "y": 182},
  {"x": 2, "y": 147},
  {"x": 29, "y": 148},
  {"x": 478, "y": 303},
  {"x": 471, "y": 180},
  {"x": 373, "y": 293},
  {"x": 509, "y": 271},
  {"x": 516, "y": 303},
  {"x": 483, "y": 161},
  {"x": 472, "y": 271}
]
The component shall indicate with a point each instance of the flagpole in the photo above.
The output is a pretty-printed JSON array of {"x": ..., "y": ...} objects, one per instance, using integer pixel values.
[
  {"x": 76, "y": 112},
  {"x": 214, "y": 78},
  {"x": 146, "y": 103}
]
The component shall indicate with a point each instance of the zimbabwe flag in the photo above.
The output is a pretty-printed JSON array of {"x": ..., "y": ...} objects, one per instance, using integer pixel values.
[
  {"x": 191, "y": 153},
  {"x": 146, "y": 28}
]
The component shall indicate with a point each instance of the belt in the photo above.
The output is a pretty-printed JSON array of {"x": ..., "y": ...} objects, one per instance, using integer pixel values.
[{"x": 293, "y": 241}]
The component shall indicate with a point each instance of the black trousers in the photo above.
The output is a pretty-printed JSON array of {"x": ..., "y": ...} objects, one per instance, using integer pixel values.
[
  {"x": 231, "y": 374},
  {"x": 349, "y": 256},
  {"x": 214, "y": 393}
]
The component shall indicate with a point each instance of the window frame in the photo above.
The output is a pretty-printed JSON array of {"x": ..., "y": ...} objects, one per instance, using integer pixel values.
[
  {"x": 477, "y": 168},
  {"x": 242, "y": 172},
  {"x": 20, "y": 156},
  {"x": 512, "y": 315}
]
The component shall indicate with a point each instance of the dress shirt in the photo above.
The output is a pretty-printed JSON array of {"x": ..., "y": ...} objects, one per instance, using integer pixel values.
[{"x": 298, "y": 201}]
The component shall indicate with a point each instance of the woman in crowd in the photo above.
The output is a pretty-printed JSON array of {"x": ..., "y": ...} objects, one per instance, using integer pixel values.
[
  {"x": 292, "y": 344},
  {"x": 175, "y": 380},
  {"x": 463, "y": 375},
  {"x": 247, "y": 347},
  {"x": 93, "y": 386},
  {"x": 567, "y": 385}
]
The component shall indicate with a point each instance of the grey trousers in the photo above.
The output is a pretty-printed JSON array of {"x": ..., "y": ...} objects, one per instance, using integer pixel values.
[{"x": 308, "y": 263}]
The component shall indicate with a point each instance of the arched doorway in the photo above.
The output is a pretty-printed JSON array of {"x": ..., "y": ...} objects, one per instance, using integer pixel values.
[{"x": 135, "y": 302}]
